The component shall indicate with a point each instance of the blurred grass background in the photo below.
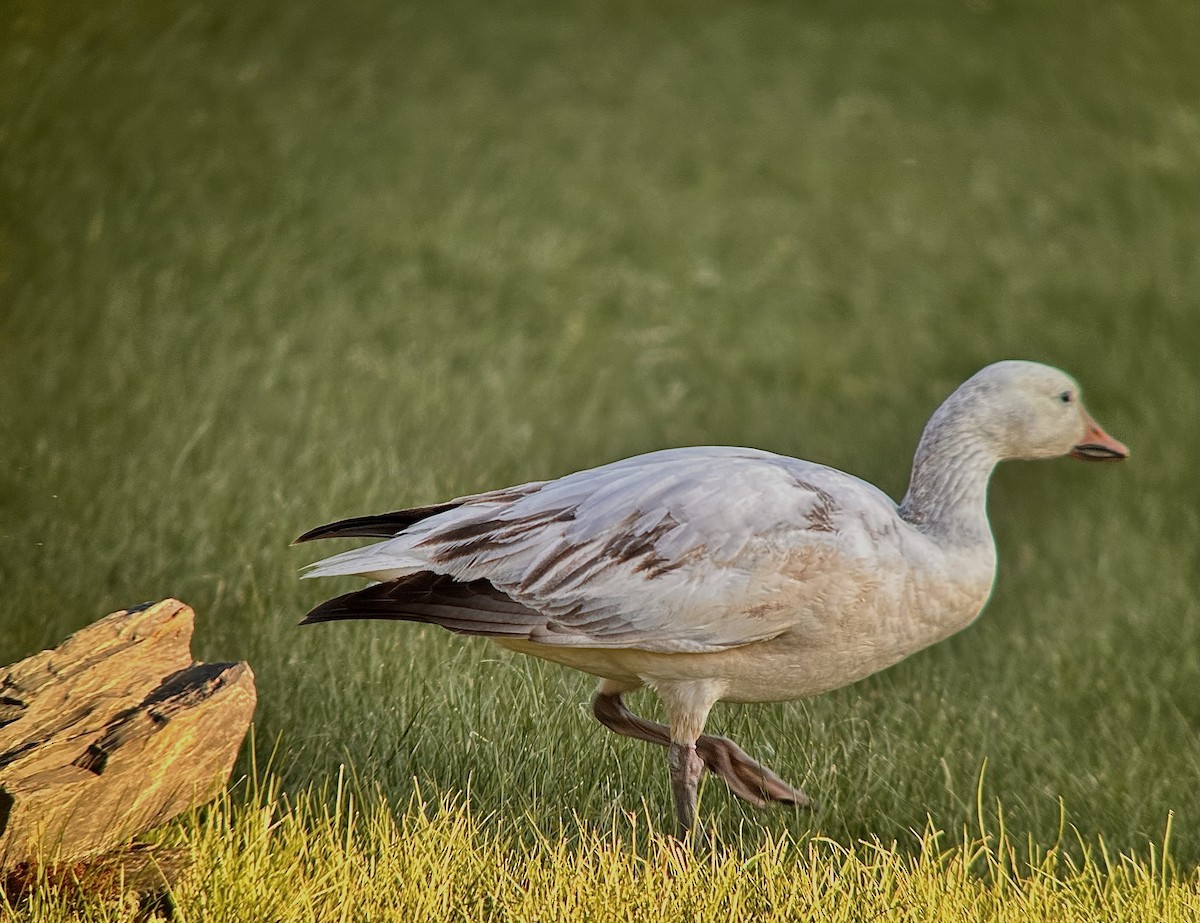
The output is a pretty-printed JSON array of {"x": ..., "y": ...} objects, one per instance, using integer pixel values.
[{"x": 265, "y": 265}]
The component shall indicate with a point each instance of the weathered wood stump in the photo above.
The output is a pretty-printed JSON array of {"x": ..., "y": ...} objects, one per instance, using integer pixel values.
[{"x": 113, "y": 733}]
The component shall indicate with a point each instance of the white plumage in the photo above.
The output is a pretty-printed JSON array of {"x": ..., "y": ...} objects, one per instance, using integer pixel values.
[
  {"x": 669, "y": 552},
  {"x": 716, "y": 573}
]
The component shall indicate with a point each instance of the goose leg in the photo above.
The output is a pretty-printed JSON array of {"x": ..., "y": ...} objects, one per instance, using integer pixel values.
[
  {"x": 686, "y": 769},
  {"x": 746, "y": 778}
]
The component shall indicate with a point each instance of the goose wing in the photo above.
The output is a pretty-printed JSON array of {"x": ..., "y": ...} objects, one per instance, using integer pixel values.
[{"x": 685, "y": 550}]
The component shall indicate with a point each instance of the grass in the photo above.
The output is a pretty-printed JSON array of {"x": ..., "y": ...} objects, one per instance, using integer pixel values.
[
  {"x": 262, "y": 266},
  {"x": 312, "y": 858}
]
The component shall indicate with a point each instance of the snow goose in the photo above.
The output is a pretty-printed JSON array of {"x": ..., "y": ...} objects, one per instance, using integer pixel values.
[{"x": 721, "y": 574}]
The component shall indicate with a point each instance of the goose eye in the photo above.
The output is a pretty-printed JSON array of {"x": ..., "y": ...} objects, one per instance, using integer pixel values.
[{"x": 1065, "y": 397}]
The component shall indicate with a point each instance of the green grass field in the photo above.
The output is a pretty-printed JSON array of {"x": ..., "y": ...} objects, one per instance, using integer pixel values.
[{"x": 266, "y": 265}]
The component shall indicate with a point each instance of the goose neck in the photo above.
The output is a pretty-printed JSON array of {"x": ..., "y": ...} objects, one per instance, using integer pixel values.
[{"x": 947, "y": 494}]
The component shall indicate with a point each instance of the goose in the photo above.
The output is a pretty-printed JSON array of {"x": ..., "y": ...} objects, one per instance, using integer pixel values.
[{"x": 713, "y": 574}]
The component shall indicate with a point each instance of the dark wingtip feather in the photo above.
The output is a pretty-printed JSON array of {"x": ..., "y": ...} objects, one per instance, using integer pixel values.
[
  {"x": 383, "y": 525},
  {"x": 356, "y": 527},
  {"x": 333, "y": 609},
  {"x": 476, "y": 607},
  {"x": 329, "y": 530},
  {"x": 313, "y": 617}
]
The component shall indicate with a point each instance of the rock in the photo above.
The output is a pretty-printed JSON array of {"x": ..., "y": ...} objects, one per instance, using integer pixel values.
[{"x": 113, "y": 733}]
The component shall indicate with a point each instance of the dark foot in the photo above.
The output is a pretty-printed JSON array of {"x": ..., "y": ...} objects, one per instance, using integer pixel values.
[{"x": 747, "y": 778}]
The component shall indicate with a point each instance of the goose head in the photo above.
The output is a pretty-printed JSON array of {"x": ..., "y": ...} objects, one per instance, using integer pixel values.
[{"x": 1026, "y": 410}]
